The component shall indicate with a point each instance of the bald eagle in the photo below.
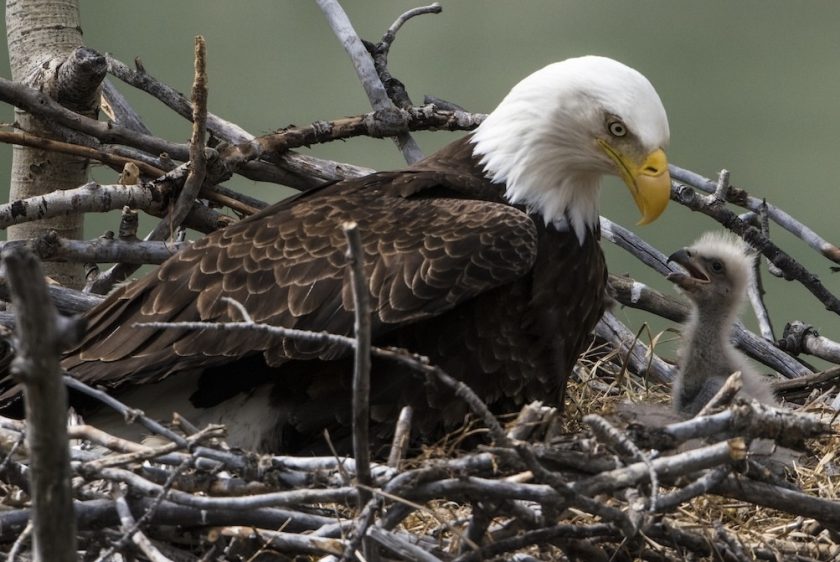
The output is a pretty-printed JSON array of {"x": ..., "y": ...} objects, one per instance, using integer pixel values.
[
  {"x": 484, "y": 257},
  {"x": 718, "y": 272}
]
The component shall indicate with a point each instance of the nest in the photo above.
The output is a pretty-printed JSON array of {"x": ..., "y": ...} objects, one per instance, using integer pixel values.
[{"x": 580, "y": 486}]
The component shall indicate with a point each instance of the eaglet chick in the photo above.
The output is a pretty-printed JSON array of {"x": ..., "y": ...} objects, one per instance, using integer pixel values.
[{"x": 718, "y": 272}]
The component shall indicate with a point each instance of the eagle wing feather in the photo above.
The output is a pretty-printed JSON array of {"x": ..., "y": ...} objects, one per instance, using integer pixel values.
[{"x": 422, "y": 257}]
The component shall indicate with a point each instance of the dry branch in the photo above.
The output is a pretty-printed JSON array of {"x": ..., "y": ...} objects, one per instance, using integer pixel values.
[
  {"x": 366, "y": 71},
  {"x": 95, "y": 198},
  {"x": 42, "y": 335},
  {"x": 295, "y": 170},
  {"x": 780, "y": 217},
  {"x": 799, "y": 336},
  {"x": 198, "y": 161},
  {"x": 518, "y": 493},
  {"x": 21, "y": 138},
  {"x": 793, "y": 270},
  {"x": 38, "y": 103},
  {"x": 361, "y": 364},
  {"x": 51, "y": 247},
  {"x": 128, "y": 523},
  {"x": 377, "y": 124}
]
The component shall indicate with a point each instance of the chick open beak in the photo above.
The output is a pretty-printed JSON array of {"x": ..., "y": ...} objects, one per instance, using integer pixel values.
[
  {"x": 648, "y": 180},
  {"x": 696, "y": 273}
]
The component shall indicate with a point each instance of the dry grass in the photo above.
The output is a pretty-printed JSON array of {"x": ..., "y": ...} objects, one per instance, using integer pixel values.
[{"x": 598, "y": 386}]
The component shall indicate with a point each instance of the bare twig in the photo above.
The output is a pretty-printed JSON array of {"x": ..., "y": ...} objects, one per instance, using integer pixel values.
[
  {"x": 361, "y": 365},
  {"x": 799, "y": 336},
  {"x": 38, "y": 103},
  {"x": 722, "y": 186},
  {"x": 365, "y": 70},
  {"x": 391, "y": 34},
  {"x": 612, "y": 436},
  {"x": 129, "y": 413},
  {"x": 21, "y": 138},
  {"x": 628, "y": 241},
  {"x": 379, "y": 52},
  {"x": 724, "y": 395},
  {"x": 117, "y": 108},
  {"x": 701, "y": 486},
  {"x": 51, "y": 247},
  {"x": 377, "y": 124},
  {"x": 552, "y": 534},
  {"x": 755, "y": 291},
  {"x": 128, "y": 525},
  {"x": 400, "y": 546},
  {"x": 198, "y": 161},
  {"x": 821, "y": 379},
  {"x": 173, "y": 99},
  {"x": 18, "y": 544},
  {"x": 287, "y": 541},
  {"x": 716, "y": 209},
  {"x": 640, "y": 358},
  {"x": 295, "y": 170},
  {"x": 779, "y": 216},
  {"x": 827, "y": 511},
  {"x": 68, "y": 301},
  {"x": 275, "y": 499}
]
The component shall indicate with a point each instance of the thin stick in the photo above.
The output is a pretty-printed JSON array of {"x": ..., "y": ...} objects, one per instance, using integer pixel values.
[
  {"x": 700, "y": 486},
  {"x": 361, "y": 365},
  {"x": 779, "y": 216},
  {"x": 711, "y": 207},
  {"x": 129, "y": 413},
  {"x": 610, "y": 435},
  {"x": 28, "y": 139},
  {"x": 391, "y": 34},
  {"x": 137, "y": 536},
  {"x": 724, "y": 395},
  {"x": 365, "y": 70},
  {"x": 198, "y": 160},
  {"x": 167, "y": 226},
  {"x": 18, "y": 544},
  {"x": 95, "y": 198},
  {"x": 756, "y": 293},
  {"x": 722, "y": 186}
]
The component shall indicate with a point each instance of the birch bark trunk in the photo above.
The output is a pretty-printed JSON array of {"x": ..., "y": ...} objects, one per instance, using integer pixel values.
[{"x": 44, "y": 39}]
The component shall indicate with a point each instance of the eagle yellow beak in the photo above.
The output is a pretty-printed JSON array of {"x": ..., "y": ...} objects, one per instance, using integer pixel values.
[{"x": 649, "y": 181}]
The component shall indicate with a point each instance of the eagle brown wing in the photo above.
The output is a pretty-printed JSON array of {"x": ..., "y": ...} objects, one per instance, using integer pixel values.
[{"x": 422, "y": 257}]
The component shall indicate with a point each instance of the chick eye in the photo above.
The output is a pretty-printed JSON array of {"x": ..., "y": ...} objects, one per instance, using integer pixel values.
[
  {"x": 717, "y": 267},
  {"x": 617, "y": 128}
]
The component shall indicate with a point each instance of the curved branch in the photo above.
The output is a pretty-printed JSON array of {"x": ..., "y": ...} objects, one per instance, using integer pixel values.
[
  {"x": 366, "y": 71},
  {"x": 780, "y": 217},
  {"x": 716, "y": 209}
]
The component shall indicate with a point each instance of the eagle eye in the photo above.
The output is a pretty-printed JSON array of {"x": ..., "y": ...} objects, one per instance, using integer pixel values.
[
  {"x": 617, "y": 128},
  {"x": 717, "y": 267}
]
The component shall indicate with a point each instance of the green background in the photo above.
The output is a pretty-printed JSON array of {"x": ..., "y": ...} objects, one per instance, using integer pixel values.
[{"x": 752, "y": 86}]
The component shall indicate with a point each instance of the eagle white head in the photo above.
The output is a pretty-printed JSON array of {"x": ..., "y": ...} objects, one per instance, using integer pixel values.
[{"x": 563, "y": 127}]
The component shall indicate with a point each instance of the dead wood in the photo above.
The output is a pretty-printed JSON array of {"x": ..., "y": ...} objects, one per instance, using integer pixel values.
[{"x": 543, "y": 487}]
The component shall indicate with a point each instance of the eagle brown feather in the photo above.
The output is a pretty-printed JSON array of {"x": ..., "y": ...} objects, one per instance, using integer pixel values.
[
  {"x": 501, "y": 296},
  {"x": 494, "y": 297}
]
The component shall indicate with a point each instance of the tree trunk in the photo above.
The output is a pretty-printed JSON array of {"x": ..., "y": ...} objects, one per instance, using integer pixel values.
[{"x": 44, "y": 38}]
